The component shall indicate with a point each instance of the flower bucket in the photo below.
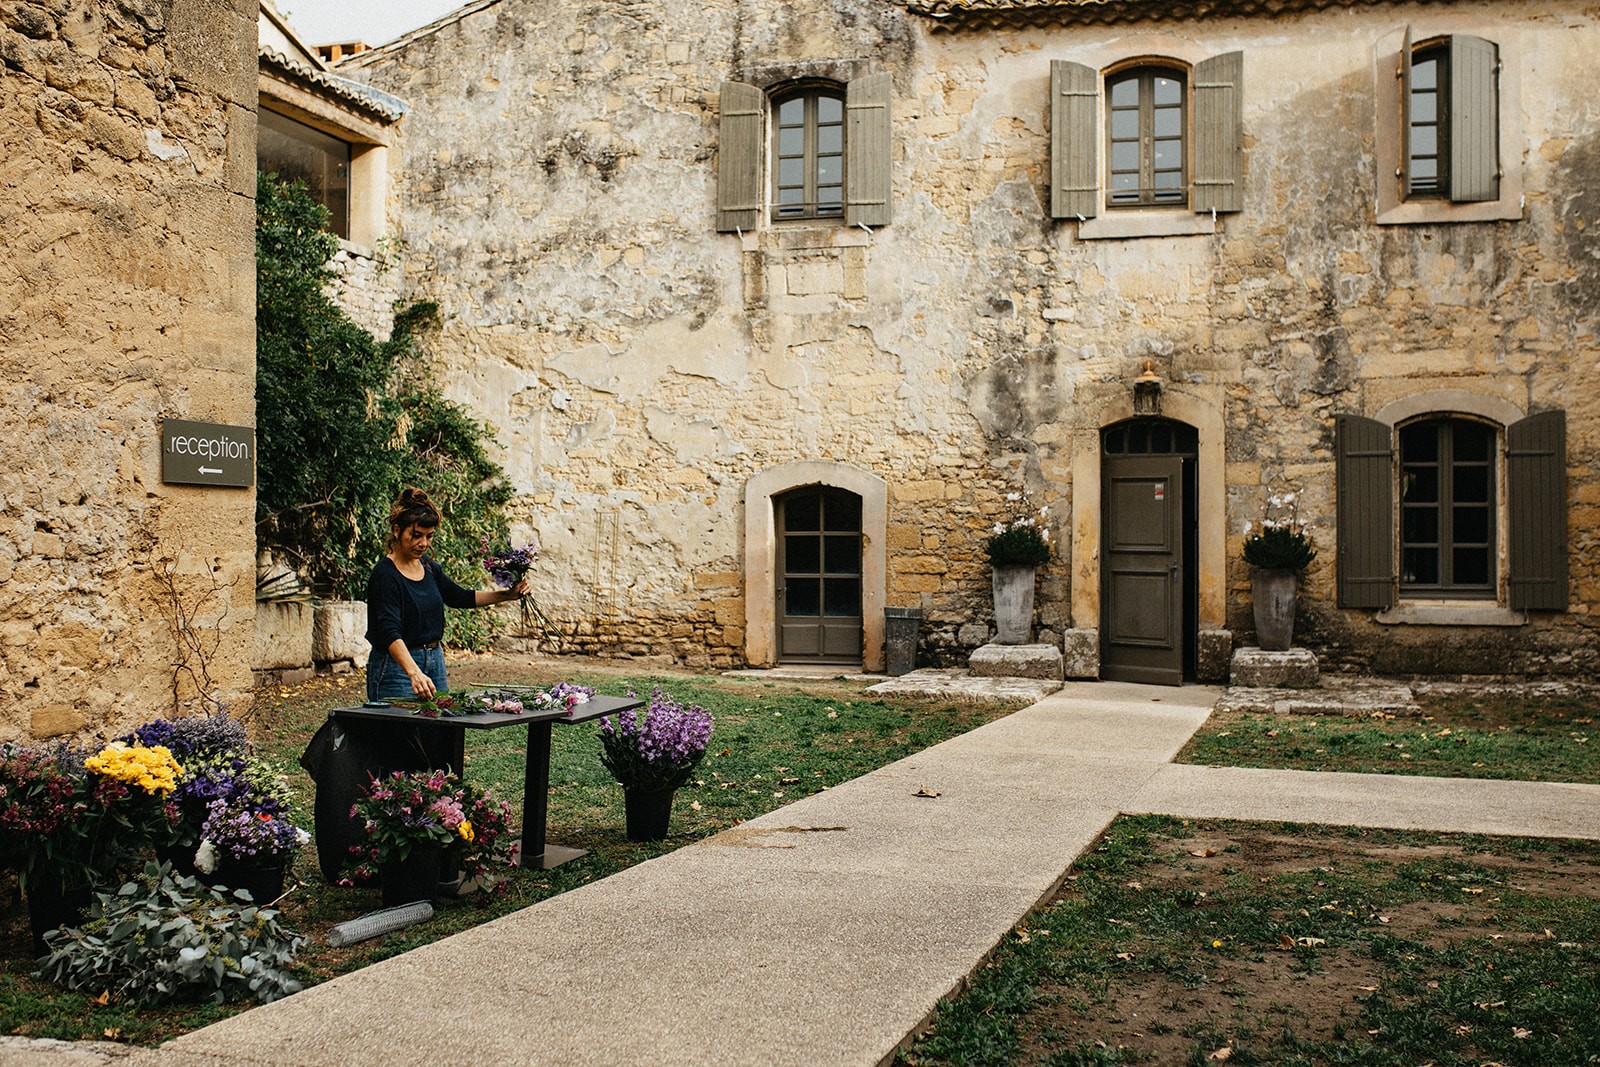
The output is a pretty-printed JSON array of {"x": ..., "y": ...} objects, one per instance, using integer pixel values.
[
  {"x": 648, "y": 812},
  {"x": 1272, "y": 601},
  {"x": 414, "y": 878},
  {"x": 264, "y": 882},
  {"x": 1013, "y": 603}
]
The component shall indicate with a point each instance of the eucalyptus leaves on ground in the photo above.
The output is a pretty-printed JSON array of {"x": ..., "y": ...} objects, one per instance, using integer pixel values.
[{"x": 164, "y": 937}]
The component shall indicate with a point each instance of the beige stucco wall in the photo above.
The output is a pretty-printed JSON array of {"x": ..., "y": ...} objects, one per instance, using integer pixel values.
[
  {"x": 127, "y": 296},
  {"x": 557, "y": 198}
]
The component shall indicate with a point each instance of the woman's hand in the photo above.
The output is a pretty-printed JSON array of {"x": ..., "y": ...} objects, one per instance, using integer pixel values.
[
  {"x": 521, "y": 589},
  {"x": 422, "y": 685}
]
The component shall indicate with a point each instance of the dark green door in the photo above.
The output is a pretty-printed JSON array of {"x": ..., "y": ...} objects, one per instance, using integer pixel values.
[
  {"x": 1141, "y": 569},
  {"x": 819, "y": 576}
]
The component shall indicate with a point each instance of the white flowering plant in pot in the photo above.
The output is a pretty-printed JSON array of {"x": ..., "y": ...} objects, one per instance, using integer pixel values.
[{"x": 1023, "y": 539}]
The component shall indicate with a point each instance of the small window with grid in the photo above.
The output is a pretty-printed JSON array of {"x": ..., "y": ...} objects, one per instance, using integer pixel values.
[
  {"x": 1146, "y": 120},
  {"x": 809, "y": 154}
]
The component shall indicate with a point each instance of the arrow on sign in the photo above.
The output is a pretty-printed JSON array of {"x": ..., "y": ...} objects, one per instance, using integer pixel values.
[{"x": 210, "y": 470}]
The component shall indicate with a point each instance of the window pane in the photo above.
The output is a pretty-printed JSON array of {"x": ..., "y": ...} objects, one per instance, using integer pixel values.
[
  {"x": 1124, "y": 124},
  {"x": 1424, "y": 173},
  {"x": 1471, "y": 566},
  {"x": 844, "y": 597},
  {"x": 1420, "y": 485},
  {"x": 1421, "y": 526},
  {"x": 1168, "y": 180},
  {"x": 1424, "y": 107},
  {"x": 830, "y": 140},
  {"x": 1420, "y": 566},
  {"x": 791, "y": 172},
  {"x": 789, "y": 200},
  {"x": 843, "y": 554},
  {"x": 1168, "y": 91},
  {"x": 830, "y": 109},
  {"x": 830, "y": 170},
  {"x": 804, "y": 596},
  {"x": 792, "y": 112},
  {"x": 1419, "y": 443},
  {"x": 802, "y": 555},
  {"x": 791, "y": 141},
  {"x": 1473, "y": 441},
  {"x": 1125, "y": 156},
  {"x": 843, "y": 512},
  {"x": 1169, "y": 122},
  {"x": 1125, "y": 93},
  {"x": 1424, "y": 141},
  {"x": 1470, "y": 526},
  {"x": 802, "y": 512},
  {"x": 1425, "y": 74},
  {"x": 1169, "y": 155},
  {"x": 1471, "y": 485},
  {"x": 830, "y": 201}
]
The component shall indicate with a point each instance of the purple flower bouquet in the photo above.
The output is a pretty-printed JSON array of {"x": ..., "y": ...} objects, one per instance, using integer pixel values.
[{"x": 659, "y": 749}]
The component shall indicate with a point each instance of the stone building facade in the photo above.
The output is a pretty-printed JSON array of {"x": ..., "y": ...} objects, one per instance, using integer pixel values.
[
  {"x": 772, "y": 311},
  {"x": 127, "y": 297}
]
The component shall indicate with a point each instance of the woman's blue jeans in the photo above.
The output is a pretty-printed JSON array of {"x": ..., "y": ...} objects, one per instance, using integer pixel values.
[{"x": 387, "y": 680}]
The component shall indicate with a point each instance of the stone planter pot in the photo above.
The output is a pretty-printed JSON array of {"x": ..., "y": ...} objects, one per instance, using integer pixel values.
[
  {"x": 1013, "y": 603},
  {"x": 647, "y": 811},
  {"x": 1272, "y": 600}
]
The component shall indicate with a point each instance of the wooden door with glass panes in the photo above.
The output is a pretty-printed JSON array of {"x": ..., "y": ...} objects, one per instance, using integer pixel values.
[{"x": 819, "y": 576}]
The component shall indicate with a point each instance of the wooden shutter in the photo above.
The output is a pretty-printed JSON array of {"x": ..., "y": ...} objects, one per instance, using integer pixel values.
[
  {"x": 1536, "y": 492},
  {"x": 1404, "y": 74},
  {"x": 868, "y": 172},
  {"x": 1365, "y": 504},
  {"x": 1474, "y": 119},
  {"x": 1074, "y": 168},
  {"x": 743, "y": 111},
  {"x": 1219, "y": 133}
]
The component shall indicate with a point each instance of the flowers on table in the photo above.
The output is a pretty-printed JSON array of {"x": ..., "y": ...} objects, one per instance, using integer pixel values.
[
  {"x": 659, "y": 749},
  {"x": 1024, "y": 538},
  {"x": 511, "y": 700},
  {"x": 1283, "y": 540}
]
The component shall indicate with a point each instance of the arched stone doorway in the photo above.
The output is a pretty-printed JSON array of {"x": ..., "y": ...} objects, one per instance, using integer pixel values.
[{"x": 765, "y": 496}]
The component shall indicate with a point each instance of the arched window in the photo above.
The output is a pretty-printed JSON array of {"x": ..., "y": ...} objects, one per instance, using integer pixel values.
[
  {"x": 1146, "y": 120},
  {"x": 808, "y": 153},
  {"x": 1447, "y": 507}
]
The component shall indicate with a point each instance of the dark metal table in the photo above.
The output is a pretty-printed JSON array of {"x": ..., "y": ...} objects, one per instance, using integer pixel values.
[{"x": 536, "y": 853}]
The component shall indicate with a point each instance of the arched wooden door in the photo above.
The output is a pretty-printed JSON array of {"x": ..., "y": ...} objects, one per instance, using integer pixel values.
[
  {"x": 818, "y": 575},
  {"x": 1148, "y": 563}
]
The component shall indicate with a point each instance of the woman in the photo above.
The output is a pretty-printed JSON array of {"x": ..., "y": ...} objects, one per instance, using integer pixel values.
[{"x": 406, "y": 598}]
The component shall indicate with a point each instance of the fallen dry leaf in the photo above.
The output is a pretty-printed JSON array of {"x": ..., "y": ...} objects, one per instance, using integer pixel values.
[
  {"x": 926, "y": 792},
  {"x": 1205, "y": 853},
  {"x": 1223, "y": 1053},
  {"x": 695, "y": 804}
]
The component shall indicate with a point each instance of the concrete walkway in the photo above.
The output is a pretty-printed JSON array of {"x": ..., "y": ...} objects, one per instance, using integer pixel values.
[{"x": 825, "y": 932}]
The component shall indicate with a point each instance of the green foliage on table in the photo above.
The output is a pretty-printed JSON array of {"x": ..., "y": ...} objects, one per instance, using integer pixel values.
[
  {"x": 163, "y": 937},
  {"x": 344, "y": 421}
]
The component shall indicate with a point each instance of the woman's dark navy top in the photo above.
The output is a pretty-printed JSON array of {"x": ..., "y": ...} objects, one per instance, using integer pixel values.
[{"x": 412, "y": 611}]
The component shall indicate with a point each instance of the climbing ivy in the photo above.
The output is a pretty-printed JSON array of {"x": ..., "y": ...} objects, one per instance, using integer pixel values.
[{"x": 344, "y": 421}]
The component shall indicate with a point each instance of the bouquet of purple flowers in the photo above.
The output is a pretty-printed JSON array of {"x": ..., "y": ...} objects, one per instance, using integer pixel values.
[
  {"x": 659, "y": 749},
  {"x": 507, "y": 565},
  {"x": 237, "y": 831}
]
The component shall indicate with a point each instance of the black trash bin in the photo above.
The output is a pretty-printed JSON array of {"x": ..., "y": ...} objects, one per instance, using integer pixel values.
[{"x": 900, "y": 626}]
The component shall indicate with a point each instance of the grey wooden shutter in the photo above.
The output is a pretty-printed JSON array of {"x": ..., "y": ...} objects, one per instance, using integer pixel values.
[
  {"x": 868, "y": 172},
  {"x": 743, "y": 111},
  {"x": 1074, "y": 167},
  {"x": 1474, "y": 119},
  {"x": 1536, "y": 492},
  {"x": 1365, "y": 504},
  {"x": 1404, "y": 74},
  {"x": 1219, "y": 133}
]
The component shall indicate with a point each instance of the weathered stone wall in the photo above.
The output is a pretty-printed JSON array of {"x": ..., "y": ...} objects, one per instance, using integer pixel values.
[
  {"x": 366, "y": 286},
  {"x": 557, "y": 198},
  {"x": 127, "y": 296}
]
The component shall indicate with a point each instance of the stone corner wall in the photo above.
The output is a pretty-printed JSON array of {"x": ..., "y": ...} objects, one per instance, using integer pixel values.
[{"x": 128, "y": 134}]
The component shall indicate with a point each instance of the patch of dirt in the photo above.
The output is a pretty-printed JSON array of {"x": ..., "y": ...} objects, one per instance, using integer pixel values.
[{"x": 1168, "y": 996}]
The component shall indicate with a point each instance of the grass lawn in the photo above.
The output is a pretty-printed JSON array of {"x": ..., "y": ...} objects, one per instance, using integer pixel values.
[
  {"x": 1458, "y": 735},
  {"x": 1181, "y": 942},
  {"x": 774, "y": 742}
]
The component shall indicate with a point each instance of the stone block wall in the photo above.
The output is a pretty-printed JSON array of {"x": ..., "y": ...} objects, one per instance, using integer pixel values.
[
  {"x": 641, "y": 368},
  {"x": 127, "y": 149}
]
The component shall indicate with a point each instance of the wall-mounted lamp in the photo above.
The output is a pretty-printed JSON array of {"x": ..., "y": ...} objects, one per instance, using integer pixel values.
[{"x": 1147, "y": 391}]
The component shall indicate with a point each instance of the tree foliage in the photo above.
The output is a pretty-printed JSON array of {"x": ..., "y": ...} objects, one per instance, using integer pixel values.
[{"x": 344, "y": 421}]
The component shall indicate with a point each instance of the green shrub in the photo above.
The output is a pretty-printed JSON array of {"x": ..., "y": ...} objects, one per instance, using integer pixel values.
[{"x": 164, "y": 937}]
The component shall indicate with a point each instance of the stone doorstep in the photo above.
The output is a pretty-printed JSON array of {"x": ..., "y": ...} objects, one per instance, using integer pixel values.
[
  {"x": 1256, "y": 668},
  {"x": 995, "y": 660},
  {"x": 1354, "y": 701},
  {"x": 945, "y": 683}
]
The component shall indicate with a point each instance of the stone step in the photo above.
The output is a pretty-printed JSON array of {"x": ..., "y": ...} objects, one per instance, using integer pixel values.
[
  {"x": 1017, "y": 661},
  {"x": 1357, "y": 701},
  {"x": 956, "y": 684}
]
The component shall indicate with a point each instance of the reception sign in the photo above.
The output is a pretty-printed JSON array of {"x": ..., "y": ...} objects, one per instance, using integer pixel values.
[{"x": 206, "y": 453}]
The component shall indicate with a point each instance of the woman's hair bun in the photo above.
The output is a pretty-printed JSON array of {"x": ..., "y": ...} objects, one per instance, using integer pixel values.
[{"x": 413, "y": 508}]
